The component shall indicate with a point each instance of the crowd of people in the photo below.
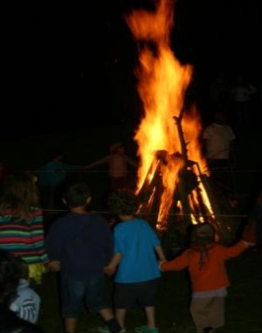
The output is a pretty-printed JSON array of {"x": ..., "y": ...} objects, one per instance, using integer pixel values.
[{"x": 83, "y": 248}]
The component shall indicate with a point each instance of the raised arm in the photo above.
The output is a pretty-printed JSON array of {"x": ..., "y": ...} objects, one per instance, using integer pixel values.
[
  {"x": 130, "y": 161},
  {"x": 96, "y": 163}
]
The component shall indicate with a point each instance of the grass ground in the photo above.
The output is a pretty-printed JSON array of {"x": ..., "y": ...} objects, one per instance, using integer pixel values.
[{"x": 243, "y": 303}]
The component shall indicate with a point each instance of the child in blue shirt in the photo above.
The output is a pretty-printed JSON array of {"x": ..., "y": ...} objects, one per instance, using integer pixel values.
[
  {"x": 136, "y": 248},
  {"x": 51, "y": 177}
]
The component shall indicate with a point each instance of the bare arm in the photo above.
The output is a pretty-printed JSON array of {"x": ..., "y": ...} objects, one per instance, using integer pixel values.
[
  {"x": 96, "y": 163},
  {"x": 130, "y": 161},
  {"x": 54, "y": 265},
  {"x": 111, "y": 267},
  {"x": 160, "y": 253}
]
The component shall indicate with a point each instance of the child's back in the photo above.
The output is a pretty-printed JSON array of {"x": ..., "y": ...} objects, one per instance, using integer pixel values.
[
  {"x": 205, "y": 261},
  {"x": 81, "y": 242},
  {"x": 206, "y": 265}
]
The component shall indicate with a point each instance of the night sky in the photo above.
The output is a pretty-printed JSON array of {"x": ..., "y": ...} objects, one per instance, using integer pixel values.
[{"x": 62, "y": 60}]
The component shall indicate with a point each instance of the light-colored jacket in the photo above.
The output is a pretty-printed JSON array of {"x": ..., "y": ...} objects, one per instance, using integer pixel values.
[{"x": 27, "y": 303}]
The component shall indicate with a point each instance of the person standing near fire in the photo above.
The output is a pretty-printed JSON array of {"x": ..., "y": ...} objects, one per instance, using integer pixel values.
[
  {"x": 205, "y": 260},
  {"x": 218, "y": 147},
  {"x": 118, "y": 163},
  {"x": 51, "y": 178}
]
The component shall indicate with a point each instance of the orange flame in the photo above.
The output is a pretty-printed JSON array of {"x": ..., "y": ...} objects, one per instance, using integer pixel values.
[{"x": 162, "y": 84}]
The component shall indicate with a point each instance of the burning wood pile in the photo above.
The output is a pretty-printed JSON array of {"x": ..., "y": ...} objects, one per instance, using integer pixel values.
[
  {"x": 195, "y": 200},
  {"x": 173, "y": 181}
]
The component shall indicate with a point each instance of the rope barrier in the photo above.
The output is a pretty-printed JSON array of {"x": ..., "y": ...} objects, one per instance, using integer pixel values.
[
  {"x": 132, "y": 172},
  {"x": 153, "y": 214}
]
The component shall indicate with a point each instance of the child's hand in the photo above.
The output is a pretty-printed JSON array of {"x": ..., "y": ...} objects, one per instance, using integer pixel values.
[
  {"x": 109, "y": 270},
  {"x": 248, "y": 244},
  {"x": 54, "y": 265},
  {"x": 160, "y": 262}
]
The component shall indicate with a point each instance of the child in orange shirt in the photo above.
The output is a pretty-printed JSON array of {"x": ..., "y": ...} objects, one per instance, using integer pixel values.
[{"x": 205, "y": 261}]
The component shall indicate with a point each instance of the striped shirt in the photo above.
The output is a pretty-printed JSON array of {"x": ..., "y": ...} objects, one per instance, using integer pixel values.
[{"x": 24, "y": 239}]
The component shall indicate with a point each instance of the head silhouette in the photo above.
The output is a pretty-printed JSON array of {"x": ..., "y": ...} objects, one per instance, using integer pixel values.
[{"x": 202, "y": 234}]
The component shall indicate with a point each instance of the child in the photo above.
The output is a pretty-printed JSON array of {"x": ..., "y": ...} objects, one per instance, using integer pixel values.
[
  {"x": 118, "y": 163},
  {"x": 21, "y": 223},
  {"x": 137, "y": 275},
  {"x": 52, "y": 175},
  {"x": 205, "y": 261},
  {"x": 218, "y": 145},
  {"x": 81, "y": 243},
  {"x": 25, "y": 303}
]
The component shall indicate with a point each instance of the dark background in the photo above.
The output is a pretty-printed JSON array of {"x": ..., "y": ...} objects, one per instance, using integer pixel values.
[
  {"x": 69, "y": 66},
  {"x": 67, "y": 76}
]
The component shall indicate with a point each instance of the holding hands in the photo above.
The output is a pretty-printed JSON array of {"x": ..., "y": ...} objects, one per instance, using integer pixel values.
[
  {"x": 108, "y": 270},
  {"x": 54, "y": 265}
]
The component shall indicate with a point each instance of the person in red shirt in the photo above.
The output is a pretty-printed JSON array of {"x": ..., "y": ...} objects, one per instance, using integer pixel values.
[{"x": 205, "y": 260}]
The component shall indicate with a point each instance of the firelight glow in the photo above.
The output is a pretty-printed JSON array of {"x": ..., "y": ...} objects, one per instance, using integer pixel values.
[{"x": 162, "y": 83}]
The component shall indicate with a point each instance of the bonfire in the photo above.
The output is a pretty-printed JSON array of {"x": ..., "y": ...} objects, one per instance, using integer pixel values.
[{"x": 172, "y": 178}]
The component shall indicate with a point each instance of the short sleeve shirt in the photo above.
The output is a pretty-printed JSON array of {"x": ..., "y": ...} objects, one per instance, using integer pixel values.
[
  {"x": 218, "y": 139},
  {"x": 136, "y": 241}
]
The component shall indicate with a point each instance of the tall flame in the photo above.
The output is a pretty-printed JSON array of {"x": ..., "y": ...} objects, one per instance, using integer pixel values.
[{"x": 162, "y": 84}]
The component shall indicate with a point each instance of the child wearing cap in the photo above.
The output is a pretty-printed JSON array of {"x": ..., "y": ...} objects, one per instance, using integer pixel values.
[{"x": 205, "y": 260}]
